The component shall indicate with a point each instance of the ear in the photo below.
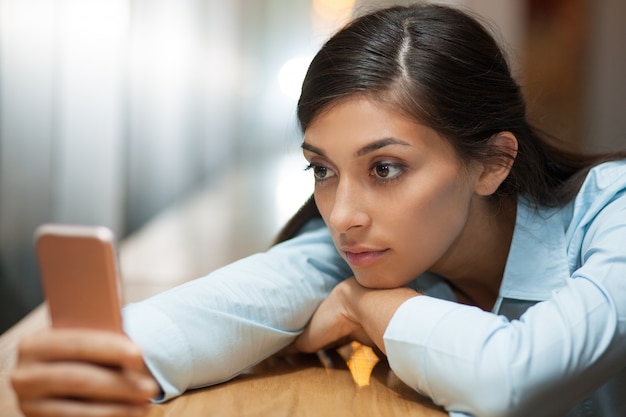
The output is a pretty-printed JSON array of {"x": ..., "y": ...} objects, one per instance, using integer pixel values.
[{"x": 495, "y": 171}]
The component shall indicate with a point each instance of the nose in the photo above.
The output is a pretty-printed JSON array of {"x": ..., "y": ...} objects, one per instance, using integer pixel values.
[{"x": 349, "y": 208}]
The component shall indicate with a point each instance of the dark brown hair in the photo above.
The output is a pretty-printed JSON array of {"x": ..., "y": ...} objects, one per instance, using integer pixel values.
[{"x": 442, "y": 68}]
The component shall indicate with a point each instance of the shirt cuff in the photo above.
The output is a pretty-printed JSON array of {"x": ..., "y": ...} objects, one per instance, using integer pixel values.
[
  {"x": 406, "y": 339},
  {"x": 161, "y": 342}
]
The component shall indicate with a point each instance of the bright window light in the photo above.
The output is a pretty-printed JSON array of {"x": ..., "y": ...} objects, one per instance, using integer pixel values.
[
  {"x": 291, "y": 75},
  {"x": 294, "y": 187}
]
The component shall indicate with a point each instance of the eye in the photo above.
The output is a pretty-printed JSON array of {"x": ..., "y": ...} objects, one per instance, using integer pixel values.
[
  {"x": 320, "y": 172},
  {"x": 386, "y": 171}
]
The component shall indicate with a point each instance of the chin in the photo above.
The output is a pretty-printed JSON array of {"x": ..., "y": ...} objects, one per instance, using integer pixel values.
[{"x": 375, "y": 283}]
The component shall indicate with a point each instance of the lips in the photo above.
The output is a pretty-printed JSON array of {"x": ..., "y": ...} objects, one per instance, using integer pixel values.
[{"x": 363, "y": 257}]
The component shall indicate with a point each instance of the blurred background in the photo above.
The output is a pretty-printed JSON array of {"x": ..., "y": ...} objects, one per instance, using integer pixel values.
[{"x": 173, "y": 121}]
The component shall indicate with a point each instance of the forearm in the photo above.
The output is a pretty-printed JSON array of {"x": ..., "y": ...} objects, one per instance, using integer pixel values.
[
  {"x": 211, "y": 329},
  {"x": 469, "y": 360},
  {"x": 207, "y": 342}
]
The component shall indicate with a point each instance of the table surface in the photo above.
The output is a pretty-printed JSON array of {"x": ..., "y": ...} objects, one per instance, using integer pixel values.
[{"x": 348, "y": 381}]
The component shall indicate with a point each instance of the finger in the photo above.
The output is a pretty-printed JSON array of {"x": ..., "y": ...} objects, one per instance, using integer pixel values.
[
  {"x": 73, "y": 408},
  {"x": 101, "y": 347},
  {"x": 82, "y": 380}
]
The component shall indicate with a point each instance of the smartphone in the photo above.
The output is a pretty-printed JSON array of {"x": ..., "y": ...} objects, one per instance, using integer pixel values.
[{"x": 80, "y": 276}]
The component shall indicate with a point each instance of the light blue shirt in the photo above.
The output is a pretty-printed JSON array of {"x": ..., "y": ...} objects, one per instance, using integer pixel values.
[{"x": 569, "y": 262}]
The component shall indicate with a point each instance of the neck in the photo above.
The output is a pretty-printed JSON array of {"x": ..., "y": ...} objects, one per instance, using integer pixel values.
[{"x": 475, "y": 264}]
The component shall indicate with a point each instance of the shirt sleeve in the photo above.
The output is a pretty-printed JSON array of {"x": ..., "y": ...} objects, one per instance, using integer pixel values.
[
  {"x": 482, "y": 364},
  {"x": 211, "y": 329}
]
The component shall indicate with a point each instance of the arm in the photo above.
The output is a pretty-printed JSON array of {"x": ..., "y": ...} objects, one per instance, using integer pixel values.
[
  {"x": 565, "y": 347},
  {"x": 210, "y": 329},
  {"x": 200, "y": 333}
]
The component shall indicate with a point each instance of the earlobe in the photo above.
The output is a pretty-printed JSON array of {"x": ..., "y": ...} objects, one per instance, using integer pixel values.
[{"x": 495, "y": 171}]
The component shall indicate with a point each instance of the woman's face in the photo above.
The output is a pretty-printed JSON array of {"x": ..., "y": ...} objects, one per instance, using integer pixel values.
[{"x": 392, "y": 192}]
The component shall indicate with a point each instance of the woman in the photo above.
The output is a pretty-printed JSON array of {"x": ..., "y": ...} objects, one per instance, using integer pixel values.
[{"x": 486, "y": 263}]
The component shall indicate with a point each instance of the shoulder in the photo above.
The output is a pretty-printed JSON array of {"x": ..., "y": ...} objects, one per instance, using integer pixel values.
[
  {"x": 600, "y": 206},
  {"x": 608, "y": 176},
  {"x": 604, "y": 184}
]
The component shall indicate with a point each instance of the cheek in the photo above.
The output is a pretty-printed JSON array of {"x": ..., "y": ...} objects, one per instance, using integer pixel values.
[
  {"x": 446, "y": 207},
  {"x": 427, "y": 193},
  {"x": 432, "y": 221}
]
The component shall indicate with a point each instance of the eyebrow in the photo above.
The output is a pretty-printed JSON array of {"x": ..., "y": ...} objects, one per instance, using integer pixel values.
[{"x": 370, "y": 147}]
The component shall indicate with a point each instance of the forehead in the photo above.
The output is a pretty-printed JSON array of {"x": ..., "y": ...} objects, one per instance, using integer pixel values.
[{"x": 357, "y": 121}]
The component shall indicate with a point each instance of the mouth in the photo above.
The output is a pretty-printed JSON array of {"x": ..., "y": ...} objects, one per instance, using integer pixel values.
[{"x": 361, "y": 258}]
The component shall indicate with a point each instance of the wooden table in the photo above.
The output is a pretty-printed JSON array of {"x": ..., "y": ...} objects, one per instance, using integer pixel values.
[{"x": 333, "y": 383}]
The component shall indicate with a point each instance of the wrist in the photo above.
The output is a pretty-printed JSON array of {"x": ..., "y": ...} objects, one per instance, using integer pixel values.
[
  {"x": 369, "y": 302},
  {"x": 373, "y": 309}
]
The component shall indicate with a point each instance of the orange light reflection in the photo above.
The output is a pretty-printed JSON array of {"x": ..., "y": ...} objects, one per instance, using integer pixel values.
[{"x": 361, "y": 361}]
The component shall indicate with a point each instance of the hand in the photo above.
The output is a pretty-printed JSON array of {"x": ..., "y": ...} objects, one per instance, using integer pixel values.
[
  {"x": 81, "y": 373},
  {"x": 352, "y": 312},
  {"x": 333, "y": 323}
]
